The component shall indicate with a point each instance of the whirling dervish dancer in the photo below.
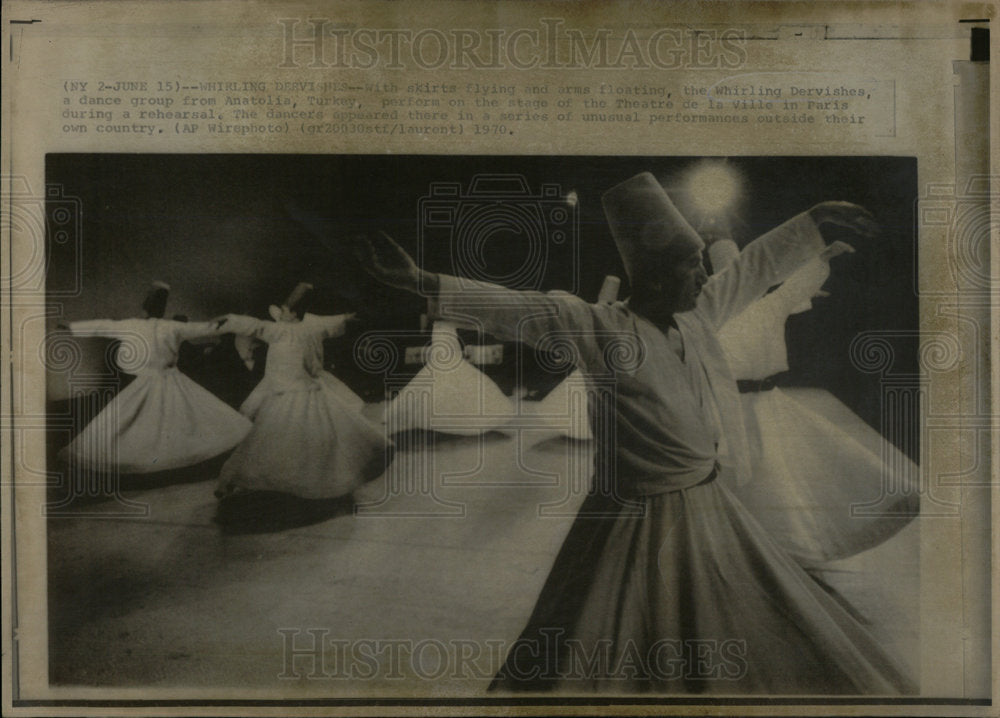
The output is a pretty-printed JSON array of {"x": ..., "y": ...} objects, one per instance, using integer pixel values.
[
  {"x": 807, "y": 471},
  {"x": 162, "y": 420},
  {"x": 449, "y": 395},
  {"x": 680, "y": 563},
  {"x": 308, "y": 438}
]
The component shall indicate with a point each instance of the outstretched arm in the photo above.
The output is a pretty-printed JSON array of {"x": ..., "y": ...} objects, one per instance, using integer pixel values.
[
  {"x": 245, "y": 326},
  {"x": 97, "y": 327},
  {"x": 771, "y": 258},
  {"x": 192, "y": 331},
  {"x": 844, "y": 214},
  {"x": 390, "y": 264},
  {"x": 754, "y": 340},
  {"x": 524, "y": 316},
  {"x": 805, "y": 283},
  {"x": 329, "y": 326}
]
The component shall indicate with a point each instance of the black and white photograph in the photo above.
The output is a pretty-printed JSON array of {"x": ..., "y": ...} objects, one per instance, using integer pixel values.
[
  {"x": 437, "y": 357},
  {"x": 483, "y": 426}
]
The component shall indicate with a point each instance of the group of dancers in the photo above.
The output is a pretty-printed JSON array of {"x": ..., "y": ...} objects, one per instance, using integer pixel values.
[
  {"x": 300, "y": 431},
  {"x": 702, "y": 523}
]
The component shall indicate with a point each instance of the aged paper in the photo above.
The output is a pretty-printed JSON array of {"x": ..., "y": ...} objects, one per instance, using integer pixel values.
[{"x": 232, "y": 150}]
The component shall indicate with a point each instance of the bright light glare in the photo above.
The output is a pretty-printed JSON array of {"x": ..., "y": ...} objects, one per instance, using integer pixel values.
[
  {"x": 572, "y": 199},
  {"x": 713, "y": 188}
]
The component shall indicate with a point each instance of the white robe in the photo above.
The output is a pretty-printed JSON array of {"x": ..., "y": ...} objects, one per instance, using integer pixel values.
[
  {"x": 449, "y": 394},
  {"x": 681, "y": 559},
  {"x": 308, "y": 438},
  {"x": 754, "y": 340},
  {"x": 811, "y": 477},
  {"x": 162, "y": 420}
]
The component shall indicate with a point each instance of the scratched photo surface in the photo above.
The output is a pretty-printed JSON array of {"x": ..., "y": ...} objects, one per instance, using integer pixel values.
[{"x": 428, "y": 574}]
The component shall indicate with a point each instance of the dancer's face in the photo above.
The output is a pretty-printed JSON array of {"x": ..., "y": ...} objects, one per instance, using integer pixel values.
[
  {"x": 669, "y": 285},
  {"x": 287, "y": 315},
  {"x": 689, "y": 276}
]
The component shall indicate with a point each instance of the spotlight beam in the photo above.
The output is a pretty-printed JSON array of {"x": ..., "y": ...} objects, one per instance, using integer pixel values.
[{"x": 714, "y": 188}]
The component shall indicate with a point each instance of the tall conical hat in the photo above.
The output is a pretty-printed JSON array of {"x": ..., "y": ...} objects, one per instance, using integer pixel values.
[
  {"x": 644, "y": 221},
  {"x": 300, "y": 291},
  {"x": 609, "y": 290}
]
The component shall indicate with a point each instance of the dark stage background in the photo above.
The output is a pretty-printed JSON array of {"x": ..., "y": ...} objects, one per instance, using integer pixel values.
[{"x": 234, "y": 233}]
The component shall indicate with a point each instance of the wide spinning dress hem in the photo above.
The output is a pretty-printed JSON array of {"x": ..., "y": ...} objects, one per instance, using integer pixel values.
[
  {"x": 692, "y": 597},
  {"x": 163, "y": 420},
  {"x": 307, "y": 442}
]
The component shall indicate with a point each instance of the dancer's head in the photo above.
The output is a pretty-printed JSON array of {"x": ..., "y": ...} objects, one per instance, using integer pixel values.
[
  {"x": 155, "y": 303},
  {"x": 660, "y": 250},
  {"x": 294, "y": 307}
]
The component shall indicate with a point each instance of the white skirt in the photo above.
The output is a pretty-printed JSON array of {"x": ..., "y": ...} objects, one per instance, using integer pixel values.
[
  {"x": 459, "y": 400},
  {"x": 162, "y": 420},
  {"x": 825, "y": 484},
  {"x": 309, "y": 442}
]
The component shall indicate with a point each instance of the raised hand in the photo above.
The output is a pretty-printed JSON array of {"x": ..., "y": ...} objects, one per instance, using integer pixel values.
[
  {"x": 835, "y": 249},
  {"x": 845, "y": 214},
  {"x": 387, "y": 262}
]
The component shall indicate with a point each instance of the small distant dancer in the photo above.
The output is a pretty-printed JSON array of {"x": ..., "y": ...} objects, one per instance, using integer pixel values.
[
  {"x": 162, "y": 420},
  {"x": 309, "y": 438}
]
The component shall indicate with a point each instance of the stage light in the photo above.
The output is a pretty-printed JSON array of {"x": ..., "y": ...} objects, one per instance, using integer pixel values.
[{"x": 714, "y": 188}]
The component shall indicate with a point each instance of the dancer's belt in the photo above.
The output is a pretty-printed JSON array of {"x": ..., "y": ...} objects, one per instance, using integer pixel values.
[
  {"x": 653, "y": 486},
  {"x": 711, "y": 477},
  {"x": 749, "y": 386}
]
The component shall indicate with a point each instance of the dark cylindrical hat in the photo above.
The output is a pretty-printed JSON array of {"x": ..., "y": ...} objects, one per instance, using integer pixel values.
[{"x": 155, "y": 303}]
